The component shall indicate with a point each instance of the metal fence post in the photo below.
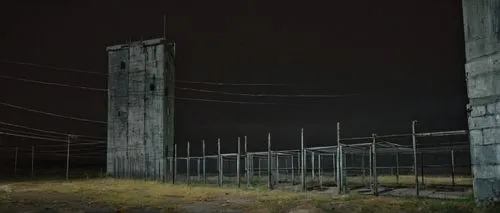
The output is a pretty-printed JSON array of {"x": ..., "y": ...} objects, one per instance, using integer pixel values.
[
  {"x": 247, "y": 162},
  {"x": 397, "y": 168},
  {"x": 238, "y": 158},
  {"x": 320, "y": 178},
  {"x": 363, "y": 169},
  {"x": 188, "y": 163},
  {"x": 67, "y": 158},
  {"x": 219, "y": 162},
  {"x": 313, "y": 175},
  {"x": 269, "y": 159},
  {"x": 198, "y": 169},
  {"x": 452, "y": 167},
  {"x": 204, "y": 162},
  {"x": 374, "y": 155},
  {"x": 293, "y": 170},
  {"x": 174, "y": 161},
  {"x": 339, "y": 161},
  {"x": 277, "y": 178},
  {"x": 422, "y": 173},
  {"x": 414, "y": 140},
  {"x": 302, "y": 161}
]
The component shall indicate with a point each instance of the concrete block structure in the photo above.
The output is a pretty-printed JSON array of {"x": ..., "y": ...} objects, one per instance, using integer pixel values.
[
  {"x": 482, "y": 46},
  {"x": 140, "y": 109}
]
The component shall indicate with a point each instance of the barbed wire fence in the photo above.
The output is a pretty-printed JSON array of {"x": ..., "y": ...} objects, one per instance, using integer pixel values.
[{"x": 377, "y": 165}]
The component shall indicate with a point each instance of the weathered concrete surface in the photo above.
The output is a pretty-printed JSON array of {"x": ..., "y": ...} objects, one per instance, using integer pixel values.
[
  {"x": 140, "y": 110},
  {"x": 482, "y": 45}
]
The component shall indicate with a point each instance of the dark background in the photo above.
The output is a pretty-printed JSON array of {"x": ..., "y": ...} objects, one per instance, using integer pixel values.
[{"x": 403, "y": 59}]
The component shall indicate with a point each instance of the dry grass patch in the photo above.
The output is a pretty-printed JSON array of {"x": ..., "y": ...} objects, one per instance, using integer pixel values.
[{"x": 131, "y": 193}]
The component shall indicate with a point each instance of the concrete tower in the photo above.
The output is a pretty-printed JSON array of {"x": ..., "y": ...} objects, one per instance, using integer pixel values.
[
  {"x": 140, "y": 109},
  {"x": 482, "y": 47}
]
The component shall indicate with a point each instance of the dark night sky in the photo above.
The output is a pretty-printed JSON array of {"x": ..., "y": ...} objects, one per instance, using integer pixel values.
[{"x": 404, "y": 59}]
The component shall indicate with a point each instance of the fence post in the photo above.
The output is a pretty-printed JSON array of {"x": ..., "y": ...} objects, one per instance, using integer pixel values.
[
  {"x": 302, "y": 161},
  {"x": 334, "y": 167},
  {"x": 174, "y": 162},
  {"x": 198, "y": 164},
  {"x": 247, "y": 162},
  {"x": 219, "y": 162},
  {"x": 397, "y": 168},
  {"x": 422, "y": 167},
  {"x": 414, "y": 140},
  {"x": 452, "y": 167},
  {"x": 269, "y": 159},
  {"x": 313, "y": 175},
  {"x": 238, "y": 158},
  {"x": 339, "y": 161},
  {"x": 370, "y": 162},
  {"x": 374, "y": 155},
  {"x": 293, "y": 170},
  {"x": 363, "y": 172},
  {"x": 260, "y": 167},
  {"x": 204, "y": 162},
  {"x": 277, "y": 178},
  {"x": 320, "y": 178},
  {"x": 67, "y": 158},
  {"x": 188, "y": 163}
]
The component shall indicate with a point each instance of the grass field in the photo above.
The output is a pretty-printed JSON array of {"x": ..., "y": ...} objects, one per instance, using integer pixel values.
[{"x": 111, "y": 195}]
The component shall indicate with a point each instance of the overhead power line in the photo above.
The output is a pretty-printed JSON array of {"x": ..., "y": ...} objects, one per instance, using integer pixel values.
[
  {"x": 54, "y": 84},
  {"x": 48, "y": 131},
  {"x": 30, "y": 133},
  {"x": 230, "y": 84},
  {"x": 262, "y": 95},
  {"x": 223, "y": 101},
  {"x": 41, "y": 138},
  {"x": 51, "y": 114},
  {"x": 52, "y": 67},
  {"x": 106, "y": 74},
  {"x": 187, "y": 89}
]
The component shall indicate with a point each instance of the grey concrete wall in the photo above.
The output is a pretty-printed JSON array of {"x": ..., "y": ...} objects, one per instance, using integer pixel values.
[
  {"x": 140, "y": 131},
  {"x": 482, "y": 43}
]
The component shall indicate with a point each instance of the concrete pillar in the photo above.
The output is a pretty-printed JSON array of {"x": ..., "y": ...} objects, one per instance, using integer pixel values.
[{"x": 482, "y": 50}]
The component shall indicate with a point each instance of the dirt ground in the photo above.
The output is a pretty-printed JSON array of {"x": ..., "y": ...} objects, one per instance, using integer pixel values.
[{"x": 111, "y": 195}]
